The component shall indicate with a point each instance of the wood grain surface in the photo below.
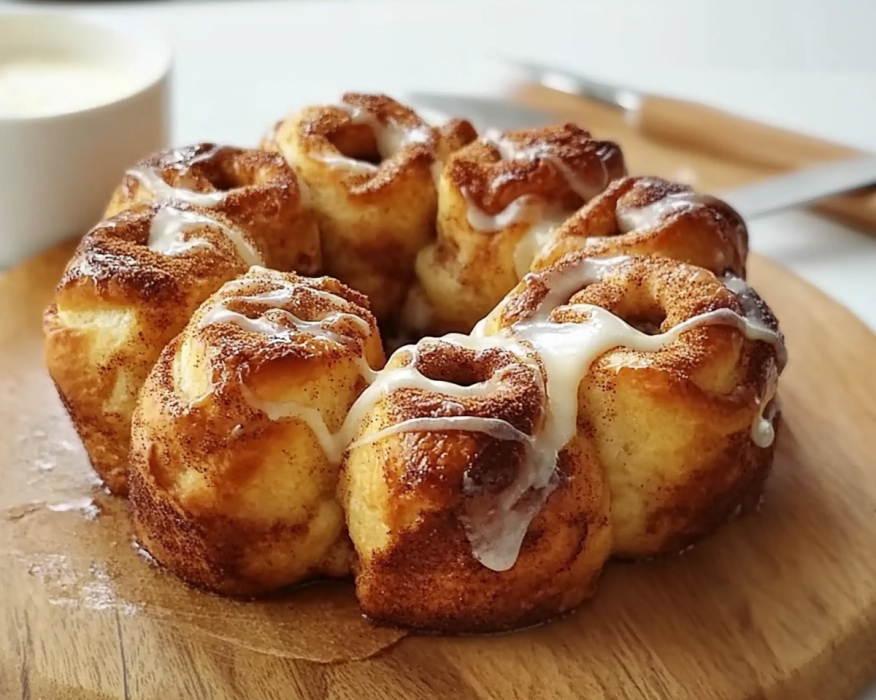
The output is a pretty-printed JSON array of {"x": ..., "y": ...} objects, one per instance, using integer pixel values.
[
  {"x": 780, "y": 604},
  {"x": 720, "y": 152}
]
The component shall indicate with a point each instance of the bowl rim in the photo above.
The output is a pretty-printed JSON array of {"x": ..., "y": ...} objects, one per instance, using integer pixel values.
[{"x": 147, "y": 40}]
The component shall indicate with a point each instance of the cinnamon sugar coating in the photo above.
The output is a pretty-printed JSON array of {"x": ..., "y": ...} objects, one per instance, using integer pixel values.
[
  {"x": 491, "y": 180},
  {"x": 677, "y": 223},
  {"x": 253, "y": 189},
  {"x": 369, "y": 164},
  {"x": 230, "y": 488},
  {"x": 408, "y": 495},
  {"x": 497, "y": 198}
]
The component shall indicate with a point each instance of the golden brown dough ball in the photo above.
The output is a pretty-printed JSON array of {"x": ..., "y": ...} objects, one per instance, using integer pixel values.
[
  {"x": 676, "y": 373},
  {"x": 652, "y": 216},
  {"x": 234, "y": 462},
  {"x": 499, "y": 199},
  {"x": 255, "y": 190},
  {"x": 125, "y": 294},
  {"x": 459, "y": 524},
  {"x": 370, "y": 165}
]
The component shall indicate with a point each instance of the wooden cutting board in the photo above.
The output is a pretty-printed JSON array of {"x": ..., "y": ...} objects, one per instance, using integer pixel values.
[{"x": 780, "y": 604}]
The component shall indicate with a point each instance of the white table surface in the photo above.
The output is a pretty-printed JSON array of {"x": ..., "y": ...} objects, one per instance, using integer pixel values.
[{"x": 803, "y": 64}]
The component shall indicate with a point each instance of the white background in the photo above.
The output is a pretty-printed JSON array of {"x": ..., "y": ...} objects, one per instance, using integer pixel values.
[{"x": 804, "y": 64}]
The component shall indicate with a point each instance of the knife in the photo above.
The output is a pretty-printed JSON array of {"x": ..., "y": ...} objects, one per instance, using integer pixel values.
[
  {"x": 689, "y": 124},
  {"x": 763, "y": 198}
]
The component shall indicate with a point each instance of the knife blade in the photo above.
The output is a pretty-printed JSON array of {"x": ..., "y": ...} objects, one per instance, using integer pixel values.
[
  {"x": 483, "y": 112},
  {"x": 762, "y": 198},
  {"x": 572, "y": 83},
  {"x": 801, "y": 187}
]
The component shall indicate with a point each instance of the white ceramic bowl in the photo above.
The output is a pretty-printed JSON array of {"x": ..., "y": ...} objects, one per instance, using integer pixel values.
[{"x": 80, "y": 101}]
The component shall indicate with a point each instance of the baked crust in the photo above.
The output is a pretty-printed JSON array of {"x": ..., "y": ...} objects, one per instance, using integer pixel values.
[{"x": 226, "y": 492}]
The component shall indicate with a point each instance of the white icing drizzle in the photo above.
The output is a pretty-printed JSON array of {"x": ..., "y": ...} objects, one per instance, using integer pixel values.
[
  {"x": 636, "y": 219},
  {"x": 275, "y": 299},
  {"x": 762, "y": 430},
  {"x": 562, "y": 286},
  {"x": 410, "y": 377},
  {"x": 525, "y": 209},
  {"x": 390, "y": 137},
  {"x": 494, "y": 427},
  {"x": 755, "y": 314},
  {"x": 169, "y": 226},
  {"x": 566, "y": 352},
  {"x": 633, "y": 220},
  {"x": 151, "y": 178},
  {"x": 511, "y": 151},
  {"x": 293, "y": 410},
  {"x": 651, "y": 215},
  {"x": 533, "y": 241},
  {"x": 758, "y": 327},
  {"x": 541, "y": 220}
]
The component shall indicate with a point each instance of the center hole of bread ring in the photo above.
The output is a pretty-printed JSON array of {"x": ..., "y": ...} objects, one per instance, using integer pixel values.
[
  {"x": 649, "y": 324},
  {"x": 357, "y": 141},
  {"x": 456, "y": 365},
  {"x": 637, "y": 302},
  {"x": 646, "y": 318},
  {"x": 225, "y": 177}
]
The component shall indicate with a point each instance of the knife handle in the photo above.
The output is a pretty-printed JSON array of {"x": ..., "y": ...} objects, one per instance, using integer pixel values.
[{"x": 726, "y": 135}]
